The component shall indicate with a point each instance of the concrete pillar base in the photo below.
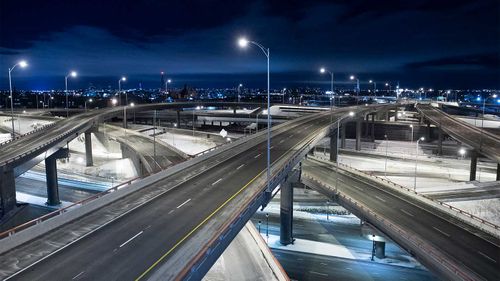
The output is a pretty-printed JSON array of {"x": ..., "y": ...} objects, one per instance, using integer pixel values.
[
  {"x": 342, "y": 136},
  {"x": 358, "y": 133},
  {"x": 286, "y": 213},
  {"x": 333, "y": 146},
  {"x": 473, "y": 165},
  {"x": 51, "y": 175},
  {"x": 380, "y": 249},
  {"x": 88, "y": 149},
  {"x": 7, "y": 190}
]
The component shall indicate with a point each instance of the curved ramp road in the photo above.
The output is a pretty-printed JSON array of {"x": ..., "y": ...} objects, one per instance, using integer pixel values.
[{"x": 485, "y": 142}]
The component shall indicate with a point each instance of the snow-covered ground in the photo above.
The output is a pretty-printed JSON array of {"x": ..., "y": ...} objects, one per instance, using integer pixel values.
[
  {"x": 433, "y": 174},
  {"x": 22, "y": 124},
  {"x": 187, "y": 144},
  {"x": 329, "y": 249},
  {"x": 478, "y": 122}
]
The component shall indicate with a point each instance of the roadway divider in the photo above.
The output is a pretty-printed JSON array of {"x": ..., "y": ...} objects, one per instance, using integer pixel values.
[
  {"x": 425, "y": 251},
  {"x": 457, "y": 213}
]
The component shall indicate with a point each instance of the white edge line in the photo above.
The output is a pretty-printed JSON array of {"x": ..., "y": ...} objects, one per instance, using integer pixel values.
[
  {"x": 132, "y": 238},
  {"x": 183, "y": 203},
  {"x": 442, "y": 232},
  {"x": 215, "y": 182}
]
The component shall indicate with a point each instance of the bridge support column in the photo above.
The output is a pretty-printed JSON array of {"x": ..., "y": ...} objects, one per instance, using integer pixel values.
[
  {"x": 498, "y": 171},
  {"x": 342, "y": 135},
  {"x": 358, "y": 133},
  {"x": 286, "y": 212},
  {"x": 395, "y": 114},
  {"x": 7, "y": 190},
  {"x": 473, "y": 165},
  {"x": 380, "y": 249},
  {"x": 51, "y": 174},
  {"x": 373, "y": 127},
  {"x": 88, "y": 149},
  {"x": 367, "y": 125},
  {"x": 333, "y": 146},
  {"x": 387, "y": 116},
  {"x": 440, "y": 141},
  {"x": 179, "y": 119},
  {"x": 428, "y": 132}
]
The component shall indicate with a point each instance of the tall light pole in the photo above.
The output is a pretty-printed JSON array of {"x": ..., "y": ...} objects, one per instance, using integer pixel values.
[
  {"x": 283, "y": 95},
  {"x": 352, "y": 77},
  {"x": 166, "y": 87},
  {"x": 482, "y": 120},
  {"x": 411, "y": 126},
  {"x": 416, "y": 161},
  {"x": 22, "y": 64},
  {"x": 239, "y": 92},
  {"x": 120, "y": 90},
  {"x": 71, "y": 74},
  {"x": 374, "y": 87},
  {"x": 324, "y": 70},
  {"x": 243, "y": 42},
  {"x": 194, "y": 109},
  {"x": 351, "y": 114},
  {"x": 89, "y": 100},
  {"x": 388, "y": 85},
  {"x": 386, "y": 154}
]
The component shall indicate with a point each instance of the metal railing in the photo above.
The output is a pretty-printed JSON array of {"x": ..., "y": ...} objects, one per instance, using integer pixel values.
[{"x": 60, "y": 211}]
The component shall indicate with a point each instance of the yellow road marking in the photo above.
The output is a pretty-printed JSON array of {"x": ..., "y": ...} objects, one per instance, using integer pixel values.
[{"x": 207, "y": 218}]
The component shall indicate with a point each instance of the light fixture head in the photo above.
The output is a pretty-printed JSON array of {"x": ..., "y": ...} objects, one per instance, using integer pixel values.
[
  {"x": 322, "y": 70},
  {"x": 132, "y": 104},
  {"x": 462, "y": 151},
  {"x": 124, "y": 78},
  {"x": 91, "y": 100},
  {"x": 23, "y": 64},
  {"x": 352, "y": 77},
  {"x": 242, "y": 42},
  {"x": 422, "y": 138},
  {"x": 169, "y": 81},
  {"x": 371, "y": 81},
  {"x": 351, "y": 113},
  {"x": 114, "y": 101},
  {"x": 73, "y": 74}
]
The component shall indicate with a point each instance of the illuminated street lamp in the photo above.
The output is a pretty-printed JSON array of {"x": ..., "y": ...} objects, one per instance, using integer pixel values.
[
  {"x": 243, "y": 42},
  {"x": 22, "y": 64},
  {"x": 120, "y": 89},
  {"x": 196, "y": 108},
  {"x": 71, "y": 74},
  {"x": 350, "y": 114},
  {"x": 166, "y": 86},
  {"x": 388, "y": 85},
  {"x": 324, "y": 70},
  {"x": 374, "y": 86},
  {"x": 239, "y": 92},
  {"x": 416, "y": 161},
  {"x": 114, "y": 101},
  {"x": 89, "y": 100},
  {"x": 462, "y": 152},
  {"x": 352, "y": 77}
]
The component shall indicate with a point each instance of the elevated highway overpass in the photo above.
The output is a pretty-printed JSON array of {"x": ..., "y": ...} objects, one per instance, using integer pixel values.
[
  {"x": 481, "y": 142},
  {"x": 178, "y": 221},
  {"x": 451, "y": 247}
]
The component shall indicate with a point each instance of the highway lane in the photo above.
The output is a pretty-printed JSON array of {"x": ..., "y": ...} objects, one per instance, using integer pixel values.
[
  {"x": 155, "y": 227},
  {"x": 476, "y": 250},
  {"x": 305, "y": 267}
]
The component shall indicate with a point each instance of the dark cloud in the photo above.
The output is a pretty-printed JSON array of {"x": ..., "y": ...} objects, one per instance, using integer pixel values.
[
  {"x": 375, "y": 39},
  {"x": 485, "y": 61}
]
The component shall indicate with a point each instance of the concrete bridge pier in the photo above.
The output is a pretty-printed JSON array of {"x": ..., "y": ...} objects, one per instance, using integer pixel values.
[
  {"x": 387, "y": 116},
  {"x": 498, "y": 171},
  {"x": 7, "y": 190},
  {"x": 286, "y": 207},
  {"x": 367, "y": 125},
  {"x": 51, "y": 174},
  {"x": 395, "y": 114},
  {"x": 380, "y": 249},
  {"x": 428, "y": 132},
  {"x": 333, "y": 146},
  {"x": 179, "y": 119},
  {"x": 373, "y": 128},
  {"x": 342, "y": 135},
  {"x": 88, "y": 149},
  {"x": 358, "y": 133},
  {"x": 473, "y": 165}
]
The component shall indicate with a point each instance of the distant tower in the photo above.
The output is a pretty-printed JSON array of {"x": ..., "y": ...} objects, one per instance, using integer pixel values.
[{"x": 162, "y": 81}]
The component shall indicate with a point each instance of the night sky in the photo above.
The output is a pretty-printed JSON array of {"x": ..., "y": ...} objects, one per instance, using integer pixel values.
[{"x": 421, "y": 43}]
